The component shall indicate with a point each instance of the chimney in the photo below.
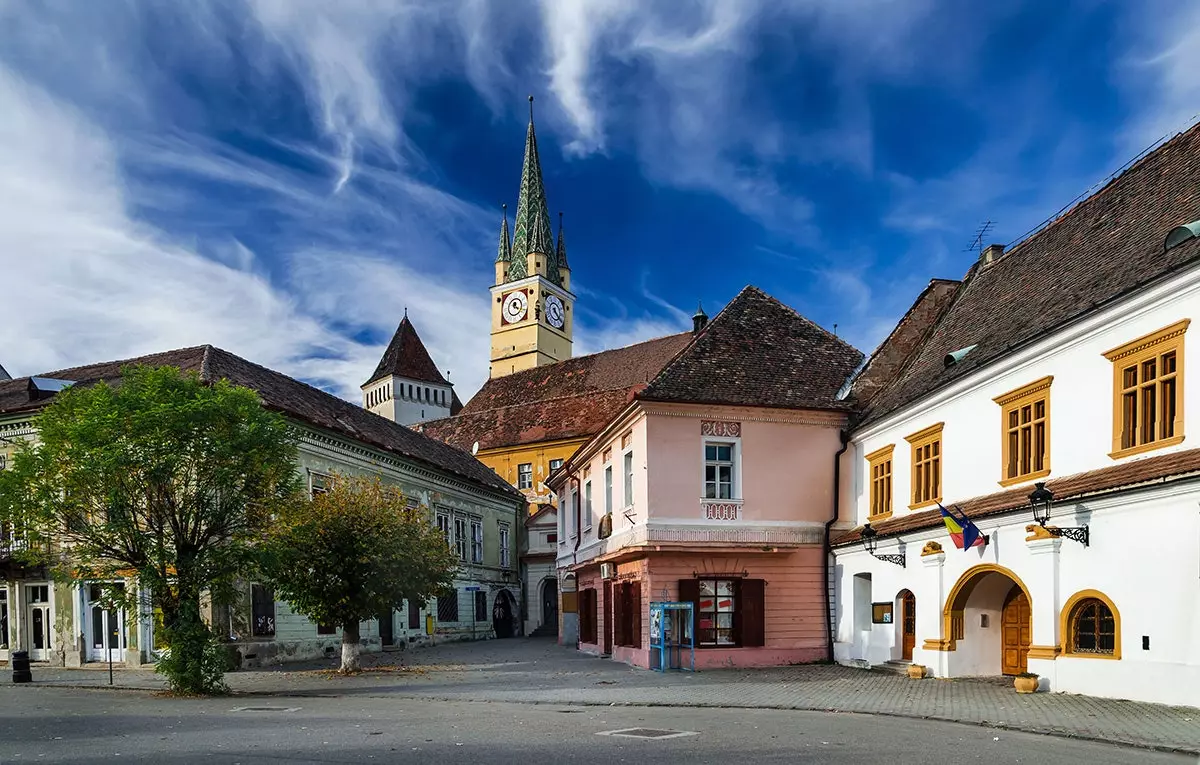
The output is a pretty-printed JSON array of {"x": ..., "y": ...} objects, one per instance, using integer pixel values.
[
  {"x": 699, "y": 320},
  {"x": 990, "y": 255}
]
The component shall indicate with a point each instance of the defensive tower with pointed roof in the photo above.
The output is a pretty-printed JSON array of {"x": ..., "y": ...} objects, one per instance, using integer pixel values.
[
  {"x": 407, "y": 386},
  {"x": 532, "y": 303}
]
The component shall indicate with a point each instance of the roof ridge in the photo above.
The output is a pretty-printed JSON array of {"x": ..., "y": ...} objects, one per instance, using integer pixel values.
[
  {"x": 544, "y": 367},
  {"x": 121, "y": 362}
]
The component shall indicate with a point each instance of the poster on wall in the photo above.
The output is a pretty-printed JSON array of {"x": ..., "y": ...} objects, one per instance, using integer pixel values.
[{"x": 656, "y": 625}]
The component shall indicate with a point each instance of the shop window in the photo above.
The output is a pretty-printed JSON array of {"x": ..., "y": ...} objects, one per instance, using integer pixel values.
[
  {"x": 627, "y": 614},
  {"x": 729, "y": 612},
  {"x": 1025, "y": 432},
  {"x": 588, "y": 606},
  {"x": 880, "y": 465},
  {"x": 1148, "y": 391},
  {"x": 262, "y": 606},
  {"x": 447, "y": 607},
  {"x": 926, "y": 466}
]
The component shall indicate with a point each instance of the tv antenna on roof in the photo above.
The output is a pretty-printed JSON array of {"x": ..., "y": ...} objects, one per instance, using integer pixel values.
[{"x": 980, "y": 233}]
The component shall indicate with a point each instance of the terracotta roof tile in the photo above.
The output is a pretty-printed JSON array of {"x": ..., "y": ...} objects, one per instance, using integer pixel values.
[
  {"x": 1176, "y": 465},
  {"x": 406, "y": 357},
  {"x": 1103, "y": 248},
  {"x": 571, "y": 399},
  {"x": 758, "y": 352},
  {"x": 284, "y": 394}
]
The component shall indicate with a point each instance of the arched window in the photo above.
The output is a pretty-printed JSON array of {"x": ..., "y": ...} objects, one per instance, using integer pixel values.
[{"x": 1093, "y": 628}]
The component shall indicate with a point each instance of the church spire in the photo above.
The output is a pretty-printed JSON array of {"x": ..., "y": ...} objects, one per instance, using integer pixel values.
[
  {"x": 562, "y": 244},
  {"x": 531, "y": 228},
  {"x": 504, "y": 250}
]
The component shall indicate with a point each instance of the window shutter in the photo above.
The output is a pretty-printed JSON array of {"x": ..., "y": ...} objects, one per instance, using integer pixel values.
[
  {"x": 752, "y": 619},
  {"x": 617, "y": 609},
  {"x": 635, "y": 614}
]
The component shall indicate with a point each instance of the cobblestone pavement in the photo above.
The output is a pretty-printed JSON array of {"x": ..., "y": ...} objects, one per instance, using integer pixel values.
[{"x": 540, "y": 672}]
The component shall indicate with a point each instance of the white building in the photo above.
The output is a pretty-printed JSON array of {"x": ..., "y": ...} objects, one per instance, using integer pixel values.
[
  {"x": 538, "y": 572},
  {"x": 1060, "y": 361},
  {"x": 407, "y": 387}
]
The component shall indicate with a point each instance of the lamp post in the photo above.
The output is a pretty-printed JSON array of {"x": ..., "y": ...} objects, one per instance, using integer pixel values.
[
  {"x": 871, "y": 544},
  {"x": 1041, "y": 500}
]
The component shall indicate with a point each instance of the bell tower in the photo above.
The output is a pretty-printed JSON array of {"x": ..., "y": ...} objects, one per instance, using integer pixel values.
[{"x": 532, "y": 302}]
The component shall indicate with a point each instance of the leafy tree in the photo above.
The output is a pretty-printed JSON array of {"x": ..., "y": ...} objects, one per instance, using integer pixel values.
[
  {"x": 162, "y": 478},
  {"x": 355, "y": 552}
]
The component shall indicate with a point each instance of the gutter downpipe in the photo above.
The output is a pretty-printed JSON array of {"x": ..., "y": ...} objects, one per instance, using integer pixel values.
[{"x": 844, "y": 434}]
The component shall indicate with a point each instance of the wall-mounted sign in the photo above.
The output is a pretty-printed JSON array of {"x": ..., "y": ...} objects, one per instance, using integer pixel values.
[{"x": 881, "y": 613}]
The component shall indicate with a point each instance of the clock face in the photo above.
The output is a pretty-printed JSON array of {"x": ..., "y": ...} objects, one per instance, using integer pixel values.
[
  {"x": 514, "y": 307},
  {"x": 554, "y": 312}
]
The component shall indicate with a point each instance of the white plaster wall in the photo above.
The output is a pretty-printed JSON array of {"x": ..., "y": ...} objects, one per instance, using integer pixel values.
[{"x": 1080, "y": 402}]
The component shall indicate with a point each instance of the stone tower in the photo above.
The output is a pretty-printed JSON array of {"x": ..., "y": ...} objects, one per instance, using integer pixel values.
[{"x": 532, "y": 302}]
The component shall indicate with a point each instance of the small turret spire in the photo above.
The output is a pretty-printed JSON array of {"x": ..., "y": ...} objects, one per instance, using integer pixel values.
[
  {"x": 562, "y": 244},
  {"x": 699, "y": 319},
  {"x": 504, "y": 249}
]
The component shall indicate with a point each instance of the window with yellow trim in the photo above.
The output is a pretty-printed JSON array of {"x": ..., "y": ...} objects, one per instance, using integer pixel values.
[
  {"x": 879, "y": 464},
  {"x": 1025, "y": 432},
  {"x": 1093, "y": 628},
  {"x": 926, "y": 466},
  {"x": 1148, "y": 391}
]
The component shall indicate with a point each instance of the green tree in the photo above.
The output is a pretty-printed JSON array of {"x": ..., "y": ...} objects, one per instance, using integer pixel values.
[
  {"x": 162, "y": 478},
  {"x": 355, "y": 552}
]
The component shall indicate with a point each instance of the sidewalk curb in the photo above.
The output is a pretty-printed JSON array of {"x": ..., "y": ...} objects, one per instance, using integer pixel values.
[{"x": 1054, "y": 732}]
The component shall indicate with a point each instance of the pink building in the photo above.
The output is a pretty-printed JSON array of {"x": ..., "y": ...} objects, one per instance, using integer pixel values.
[{"x": 714, "y": 485}]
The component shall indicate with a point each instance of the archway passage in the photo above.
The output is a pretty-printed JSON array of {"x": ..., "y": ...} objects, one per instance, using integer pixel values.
[
  {"x": 550, "y": 604},
  {"x": 908, "y": 622},
  {"x": 504, "y": 615},
  {"x": 987, "y": 623}
]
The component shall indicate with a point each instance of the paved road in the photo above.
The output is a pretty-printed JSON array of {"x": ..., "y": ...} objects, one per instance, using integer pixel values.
[
  {"x": 75, "y": 725},
  {"x": 540, "y": 672}
]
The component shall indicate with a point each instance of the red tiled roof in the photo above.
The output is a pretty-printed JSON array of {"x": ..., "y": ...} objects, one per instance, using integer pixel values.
[
  {"x": 406, "y": 357},
  {"x": 758, "y": 352},
  {"x": 1103, "y": 248},
  {"x": 1177, "y": 465},
  {"x": 284, "y": 394},
  {"x": 571, "y": 399}
]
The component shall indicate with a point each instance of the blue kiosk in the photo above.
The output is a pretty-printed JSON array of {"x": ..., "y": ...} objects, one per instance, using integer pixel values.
[{"x": 672, "y": 636}]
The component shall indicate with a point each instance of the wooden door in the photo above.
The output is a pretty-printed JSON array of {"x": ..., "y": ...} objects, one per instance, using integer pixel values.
[
  {"x": 608, "y": 617},
  {"x": 1016, "y": 635},
  {"x": 908, "y": 617},
  {"x": 550, "y": 603}
]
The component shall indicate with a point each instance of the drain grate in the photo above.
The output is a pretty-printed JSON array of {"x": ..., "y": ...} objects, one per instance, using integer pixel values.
[
  {"x": 265, "y": 709},
  {"x": 650, "y": 733}
]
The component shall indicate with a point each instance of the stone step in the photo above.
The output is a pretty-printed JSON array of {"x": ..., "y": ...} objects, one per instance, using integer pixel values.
[{"x": 895, "y": 667}]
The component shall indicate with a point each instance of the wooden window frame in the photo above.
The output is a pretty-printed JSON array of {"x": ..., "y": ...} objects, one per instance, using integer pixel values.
[
  {"x": 525, "y": 475},
  {"x": 1067, "y": 627},
  {"x": 476, "y": 540},
  {"x": 927, "y": 437},
  {"x": 1134, "y": 354},
  {"x": 505, "y": 534},
  {"x": 1029, "y": 395},
  {"x": 880, "y": 486}
]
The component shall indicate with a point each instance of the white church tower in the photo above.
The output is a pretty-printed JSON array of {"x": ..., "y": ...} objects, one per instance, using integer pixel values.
[{"x": 407, "y": 387}]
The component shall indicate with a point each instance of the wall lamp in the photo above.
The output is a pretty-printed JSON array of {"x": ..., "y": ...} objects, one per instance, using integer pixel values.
[
  {"x": 871, "y": 544},
  {"x": 1041, "y": 500}
]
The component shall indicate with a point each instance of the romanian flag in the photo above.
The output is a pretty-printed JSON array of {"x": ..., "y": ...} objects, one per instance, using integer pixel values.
[{"x": 964, "y": 533}]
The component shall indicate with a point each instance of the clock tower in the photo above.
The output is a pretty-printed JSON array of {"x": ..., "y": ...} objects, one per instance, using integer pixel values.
[{"x": 532, "y": 302}]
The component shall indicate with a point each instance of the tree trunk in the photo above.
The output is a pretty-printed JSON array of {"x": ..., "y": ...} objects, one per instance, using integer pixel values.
[{"x": 350, "y": 648}]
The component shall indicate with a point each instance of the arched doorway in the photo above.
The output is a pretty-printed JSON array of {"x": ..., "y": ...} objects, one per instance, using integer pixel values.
[
  {"x": 987, "y": 623},
  {"x": 504, "y": 614},
  {"x": 550, "y": 603},
  {"x": 908, "y": 623}
]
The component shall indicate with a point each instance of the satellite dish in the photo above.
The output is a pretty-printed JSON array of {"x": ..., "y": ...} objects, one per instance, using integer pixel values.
[{"x": 475, "y": 448}]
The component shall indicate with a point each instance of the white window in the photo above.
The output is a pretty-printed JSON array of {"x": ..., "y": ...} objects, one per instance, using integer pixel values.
[
  {"x": 628, "y": 479},
  {"x": 477, "y": 541},
  {"x": 505, "y": 560},
  {"x": 460, "y": 538},
  {"x": 525, "y": 475},
  {"x": 555, "y": 465},
  {"x": 608, "y": 490},
  {"x": 587, "y": 506},
  {"x": 719, "y": 474},
  {"x": 443, "y": 523}
]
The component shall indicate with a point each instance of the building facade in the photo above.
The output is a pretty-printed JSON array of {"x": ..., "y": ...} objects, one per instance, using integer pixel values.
[
  {"x": 713, "y": 487},
  {"x": 1057, "y": 366},
  {"x": 65, "y": 624},
  {"x": 538, "y": 572}
]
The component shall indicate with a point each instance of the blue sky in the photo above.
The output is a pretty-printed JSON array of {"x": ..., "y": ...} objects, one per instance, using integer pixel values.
[{"x": 283, "y": 177}]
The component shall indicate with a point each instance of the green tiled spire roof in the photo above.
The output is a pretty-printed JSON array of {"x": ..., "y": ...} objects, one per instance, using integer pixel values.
[
  {"x": 562, "y": 245},
  {"x": 504, "y": 250},
  {"x": 531, "y": 229}
]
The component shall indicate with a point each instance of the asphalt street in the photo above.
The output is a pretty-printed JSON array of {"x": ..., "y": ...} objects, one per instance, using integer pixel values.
[{"x": 67, "y": 725}]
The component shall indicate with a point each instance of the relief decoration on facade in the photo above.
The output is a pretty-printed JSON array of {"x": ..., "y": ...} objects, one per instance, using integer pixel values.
[{"x": 721, "y": 428}]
